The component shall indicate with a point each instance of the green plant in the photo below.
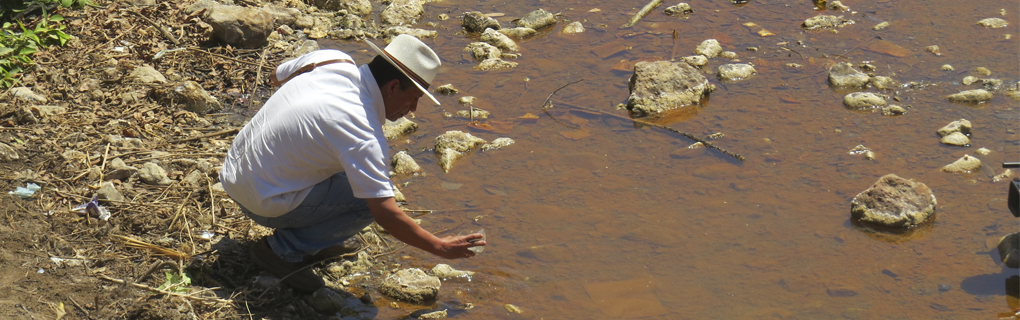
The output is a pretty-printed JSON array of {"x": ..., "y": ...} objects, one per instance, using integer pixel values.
[
  {"x": 176, "y": 282},
  {"x": 16, "y": 48}
]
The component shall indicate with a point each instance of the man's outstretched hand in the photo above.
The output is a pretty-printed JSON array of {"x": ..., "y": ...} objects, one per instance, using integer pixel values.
[{"x": 455, "y": 247}]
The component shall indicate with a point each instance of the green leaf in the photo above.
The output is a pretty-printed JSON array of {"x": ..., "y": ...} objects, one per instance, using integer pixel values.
[
  {"x": 66, "y": 3},
  {"x": 5, "y": 50},
  {"x": 175, "y": 282},
  {"x": 56, "y": 18},
  {"x": 27, "y": 51}
]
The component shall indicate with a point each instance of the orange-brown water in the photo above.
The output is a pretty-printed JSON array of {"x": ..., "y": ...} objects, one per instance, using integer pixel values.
[{"x": 602, "y": 222}]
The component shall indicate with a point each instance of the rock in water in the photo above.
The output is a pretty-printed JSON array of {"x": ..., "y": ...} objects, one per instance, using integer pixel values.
[
  {"x": 970, "y": 96},
  {"x": 894, "y": 202},
  {"x": 680, "y": 10},
  {"x": 863, "y": 101},
  {"x": 537, "y": 19},
  {"x": 482, "y": 51},
  {"x": 825, "y": 22},
  {"x": 962, "y": 126},
  {"x": 709, "y": 48},
  {"x": 1009, "y": 250},
  {"x": 326, "y": 301},
  {"x": 477, "y": 22},
  {"x": 499, "y": 40},
  {"x": 453, "y": 145},
  {"x": 518, "y": 32},
  {"x": 736, "y": 71},
  {"x": 402, "y": 12},
  {"x": 403, "y": 163},
  {"x": 412, "y": 285},
  {"x": 572, "y": 28},
  {"x": 445, "y": 271},
  {"x": 661, "y": 86},
  {"x": 993, "y": 23},
  {"x": 844, "y": 74},
  {"x": 956, "y": 139},
  {"x": 358, "y": 7},
  {"x": 965, "y": 164},
  {"x": 395, "y": 129}
]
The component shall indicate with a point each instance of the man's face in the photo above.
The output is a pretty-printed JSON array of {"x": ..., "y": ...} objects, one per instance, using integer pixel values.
[{"x": 400, "y": 102}]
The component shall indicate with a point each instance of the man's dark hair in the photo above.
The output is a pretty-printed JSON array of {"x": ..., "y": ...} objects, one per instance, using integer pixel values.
[{"x": 384, "y": 72}]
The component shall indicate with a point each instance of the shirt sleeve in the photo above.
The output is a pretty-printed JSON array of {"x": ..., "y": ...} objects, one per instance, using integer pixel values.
[{"x": 367, "y": 170}]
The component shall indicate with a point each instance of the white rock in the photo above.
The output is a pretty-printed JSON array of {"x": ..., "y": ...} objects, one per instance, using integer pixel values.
[
  {"x": 709, "y": 48},
  {"x": 966, "y": 164},
  {"x": 956, "y": 139}
]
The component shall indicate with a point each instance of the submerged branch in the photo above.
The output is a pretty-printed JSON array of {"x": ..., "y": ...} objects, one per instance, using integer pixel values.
[{"x": 641, "y": 14}]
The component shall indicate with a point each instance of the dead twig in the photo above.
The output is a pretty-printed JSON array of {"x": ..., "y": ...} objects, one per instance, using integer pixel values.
[
  {"x": 197, "y": 49},
  {"x": 642, "y": 13},
  {"x": 185, "y": 296},
  {"x": 547, "y": 104},
  {"x": 208, "y": 135},
  {"x": 139, "y": 244},
  {"x": 159, "y": 26},
  {"x": 685, "y": 134}
]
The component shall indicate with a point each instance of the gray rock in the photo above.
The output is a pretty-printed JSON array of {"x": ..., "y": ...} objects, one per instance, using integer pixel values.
[
  {"x": 956, "y": 139},
  {"x": 736, "y": 71},
  {"x": 1009, "y": 250},
  {"x": 965, "y": 164},
  {"x": 326, "y": 301},
  {"x": 45, "y": 112},
  {"x": 844, "y": 74},
  {"x": 661, "y": 86},
  {"x": 453, "y": 145},
  {"x": 414, "y": 32},
  {"x": 680, "y": 10},
  {"x": 25, "y": 116},
  {"x": 402, "y": 12},
  {"x": 403, "y": 163},
  {"x": 396, "y": 129},
  {"x": 863, "y": 101},
  {"x": 119, "y": 170},
  {"x": 303, "y": 47},
  {"x": 894, "y": 202},
  {"x": 884, "y": 83},
  {"x": 8, "y": 153},
  {"x": 435, "y": 315},
  {"x": 837, "y": 6},
  {"x": 241, "y": 27},
  {"x": 993, "y": 23},
  {"x": 497, "y": 144},
  {"x": 445, "y": 271},
  {"x": 495, "y": 64},
  {"x": 968, "y": 80},
  {"x": 893, "y": 110},
  {"x": 537, "y": 19},
  {"x": 971, "y": 96},
  {"x": 572, "y": 28},
  {"x": 26, "y": 94},
  {"x": 448, "y": 89},
  {"x": 122, "y": 142},
  {"x": 412, "y": 285},
  {"x": 962, "y": 126},
  {"x": 477, "y": 22},
  {"x": 709, "y": 48},
  {"x": 285, "y": 16},
  {"x": 826, "y": 22},
  {"x": 499, "y": 40},
  {"x": 358, "y": 7},
  {"x": 152, "y": 173},
  {"x": 147, "y": 74},
  {"x": 192, "y": 97},
  {"x": 728, "y": 55},
  {"x": 482, "y": 51},
  {"x": 107, "y": 191},
  {"x": 474, "y": 114},
  {"x": 518, "y": 32},
  {"x": 194, "y": 179},
  {"x": 696, "y": 60}
]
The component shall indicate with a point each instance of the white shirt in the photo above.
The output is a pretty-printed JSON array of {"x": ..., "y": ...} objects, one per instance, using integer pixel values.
[{"x": 316, "y": 125}]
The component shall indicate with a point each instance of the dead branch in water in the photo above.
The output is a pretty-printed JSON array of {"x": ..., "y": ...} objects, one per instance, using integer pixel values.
[
  {"x": 547, "y": 104},
  {"x": 685, "y": 134},
  {"x": 641, "y": 14}
]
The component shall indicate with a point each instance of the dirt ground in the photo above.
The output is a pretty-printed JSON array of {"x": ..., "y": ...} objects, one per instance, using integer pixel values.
[{"x": 62, "y": 264}]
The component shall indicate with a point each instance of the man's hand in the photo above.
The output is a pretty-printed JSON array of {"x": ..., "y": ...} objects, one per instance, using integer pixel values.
[
  {"x": 454, "y": 247},
  {"x": 397, "y": 223}
]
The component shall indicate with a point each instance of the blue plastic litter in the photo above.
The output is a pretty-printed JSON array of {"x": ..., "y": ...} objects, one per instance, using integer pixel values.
[
  {"x": 93, "y": 208},
  {"x": 27, "y": 192}
]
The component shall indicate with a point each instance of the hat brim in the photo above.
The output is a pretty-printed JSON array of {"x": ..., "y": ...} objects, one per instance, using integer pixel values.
[{"x": 390, "y": 60}]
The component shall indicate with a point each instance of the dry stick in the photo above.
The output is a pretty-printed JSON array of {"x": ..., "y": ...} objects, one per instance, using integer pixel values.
[
  {"x": 106, "y": 155},
  {"x": 685, "y": 134},
  {"x": 209, "y": 135},
  {"x": 196, "y": 49},
  {"x": 641, "y": 14},
  {"x": 352, "y": 254},
  {"x": 162, "y": 30},
  {"x": 676, "y": 44},
  {"x": 258, "y": 77},
  {"x": 142, "y": 286},
  {"x": 547, "y": 104}
]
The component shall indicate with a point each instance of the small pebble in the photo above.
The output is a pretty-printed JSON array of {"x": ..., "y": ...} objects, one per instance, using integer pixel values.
[
  {"x": 983, "y": 70},
  {"x": 947, "y": 67},
  {"x": 945, "y": 287}
]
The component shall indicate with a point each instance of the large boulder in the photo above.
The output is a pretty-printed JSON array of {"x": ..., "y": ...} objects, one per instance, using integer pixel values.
[
  {"x": 239, "y": 26},
  {"x": 661, "y": 86},
  {"x": 412, "y": 285},
  {"x": 894, "y": 202}
]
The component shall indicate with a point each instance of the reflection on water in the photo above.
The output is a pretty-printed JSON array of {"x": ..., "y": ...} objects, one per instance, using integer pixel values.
[{"x": 591, "y": 217}]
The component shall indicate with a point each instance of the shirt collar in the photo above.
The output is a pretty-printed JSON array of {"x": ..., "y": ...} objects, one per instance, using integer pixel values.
[{"x": 368, "y": 80}]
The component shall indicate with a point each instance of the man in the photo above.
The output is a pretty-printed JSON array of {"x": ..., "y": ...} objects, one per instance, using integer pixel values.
[{"x": 312, "y": 162}]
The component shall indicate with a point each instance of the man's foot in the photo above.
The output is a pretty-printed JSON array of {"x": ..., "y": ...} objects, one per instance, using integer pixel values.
[
  {"x": 304, "y": 281},
  {"x": 350, "y": 245}
]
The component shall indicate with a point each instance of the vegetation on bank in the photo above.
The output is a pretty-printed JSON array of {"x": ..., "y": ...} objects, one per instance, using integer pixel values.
[{"x": 27, "y": 26}]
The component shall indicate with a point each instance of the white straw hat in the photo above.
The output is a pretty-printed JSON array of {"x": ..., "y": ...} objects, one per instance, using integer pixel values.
[{"x": 415, "y": 59}]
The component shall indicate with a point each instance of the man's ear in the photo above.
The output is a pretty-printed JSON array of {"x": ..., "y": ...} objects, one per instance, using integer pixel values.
[{"x": 391, "y": 87}]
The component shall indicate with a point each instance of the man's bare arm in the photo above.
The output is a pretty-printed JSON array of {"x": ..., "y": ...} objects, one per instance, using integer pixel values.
[{"x": 396, "y": 222}]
